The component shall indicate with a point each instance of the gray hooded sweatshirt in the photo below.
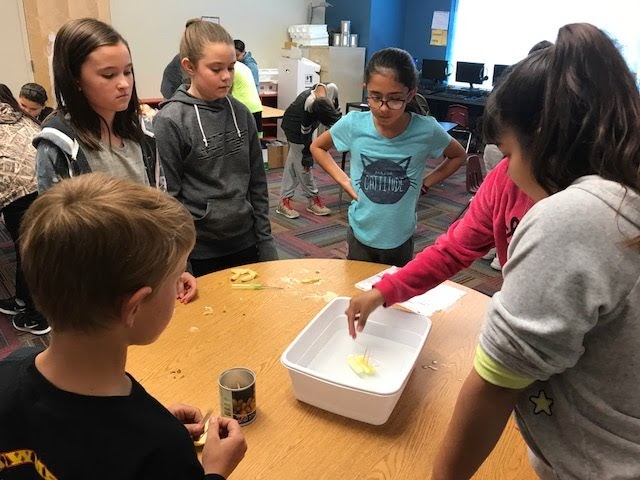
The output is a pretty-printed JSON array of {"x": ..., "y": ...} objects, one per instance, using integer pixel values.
[
  {"x": 568, "y": 315},
  {"x": 213, "y": 164}
]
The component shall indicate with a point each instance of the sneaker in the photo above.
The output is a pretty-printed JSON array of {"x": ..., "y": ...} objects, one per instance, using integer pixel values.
[
  {"x": 316, "y": 207},
  {"x": 11, "y": 306},
  {"x": 284, "y": 208},
  {"x": 495, "y": 264},
  {"x": 32, "y": 322}
]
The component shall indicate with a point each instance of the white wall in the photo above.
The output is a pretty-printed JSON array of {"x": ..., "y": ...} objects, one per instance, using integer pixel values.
[
  {"x": 16, "y": 67},
  {"x": 153, "y": 29}
]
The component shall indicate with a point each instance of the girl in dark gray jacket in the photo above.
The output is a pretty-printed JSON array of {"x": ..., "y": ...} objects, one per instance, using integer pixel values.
[{"x": 211, "y": 156}]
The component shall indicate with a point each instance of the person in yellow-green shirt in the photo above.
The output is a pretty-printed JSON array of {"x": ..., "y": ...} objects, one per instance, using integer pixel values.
[{"x": 244, "y": 89}]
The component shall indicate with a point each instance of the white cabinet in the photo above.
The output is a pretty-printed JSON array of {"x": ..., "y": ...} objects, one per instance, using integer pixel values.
[
  {"x": 343, "y": 66},
  {"x": 294, "y": 76}
]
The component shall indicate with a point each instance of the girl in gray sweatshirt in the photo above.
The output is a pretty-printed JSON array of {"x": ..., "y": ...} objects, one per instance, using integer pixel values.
[
  {"x": 210, "y": 151},
  {"x": 561, "y": 340}
]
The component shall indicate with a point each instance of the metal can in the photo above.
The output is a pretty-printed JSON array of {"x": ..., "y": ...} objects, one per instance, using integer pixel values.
[{"x": 238, "y": 394}]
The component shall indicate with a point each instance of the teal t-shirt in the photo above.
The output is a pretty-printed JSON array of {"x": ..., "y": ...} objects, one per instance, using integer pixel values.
[{"x": 387, "y": 174}]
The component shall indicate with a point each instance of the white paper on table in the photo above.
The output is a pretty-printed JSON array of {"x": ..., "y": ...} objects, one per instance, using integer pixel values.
[
  {"x": 428, "y": 303},
  {"x": 440, "y": 20}
]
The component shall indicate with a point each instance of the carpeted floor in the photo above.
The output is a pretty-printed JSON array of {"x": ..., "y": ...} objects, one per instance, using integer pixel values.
[
  {"x": 306, "y": 236},
  {"x": 10, "y": 338}
]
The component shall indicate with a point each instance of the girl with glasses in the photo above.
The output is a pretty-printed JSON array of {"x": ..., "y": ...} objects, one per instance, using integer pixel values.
[{"x": 389, "y": 148}]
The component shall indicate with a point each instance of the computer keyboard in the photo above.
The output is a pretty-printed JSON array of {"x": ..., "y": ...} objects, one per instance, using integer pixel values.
[{"x": 429, "y": 91}]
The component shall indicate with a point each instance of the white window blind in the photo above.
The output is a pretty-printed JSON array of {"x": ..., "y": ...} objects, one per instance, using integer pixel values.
[{"x": 503, "y": 31}]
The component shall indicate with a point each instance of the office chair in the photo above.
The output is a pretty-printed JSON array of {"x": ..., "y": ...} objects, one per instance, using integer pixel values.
[
  {"x": 458, "y": 114},
  {"x": 462, "y": 136},
  {"x": 474, "y": 180}
]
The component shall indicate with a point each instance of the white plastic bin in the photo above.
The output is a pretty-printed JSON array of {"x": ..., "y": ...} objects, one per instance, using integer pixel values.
[{"x": 319, "y": 372}]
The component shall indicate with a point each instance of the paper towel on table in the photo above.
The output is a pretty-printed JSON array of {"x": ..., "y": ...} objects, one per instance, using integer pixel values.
[{"x": 428, "y": 303}]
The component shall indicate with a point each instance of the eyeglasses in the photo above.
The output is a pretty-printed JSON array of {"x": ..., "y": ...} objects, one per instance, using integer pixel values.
[{"x": 391, "y": 103}]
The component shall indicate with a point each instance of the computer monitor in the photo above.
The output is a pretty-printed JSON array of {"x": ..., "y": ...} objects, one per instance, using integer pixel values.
[
  {"x": 471, "y": 73},
  {"x": 434, "y": 70},
  {"x": 498, "y": 71}
]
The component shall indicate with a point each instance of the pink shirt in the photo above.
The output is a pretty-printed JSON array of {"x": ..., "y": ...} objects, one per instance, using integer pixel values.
[{"x": 493, "y": 215}]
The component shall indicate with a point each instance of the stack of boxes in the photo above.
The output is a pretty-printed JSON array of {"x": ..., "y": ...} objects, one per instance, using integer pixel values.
[{"x": 309, "y": 35}]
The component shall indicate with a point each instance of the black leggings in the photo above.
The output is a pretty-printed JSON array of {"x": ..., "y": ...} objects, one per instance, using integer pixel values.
[
  {"x": 258, "y": 117},
  {"x": 13, "y": 214},
  {"x": 398, "y": 256}
]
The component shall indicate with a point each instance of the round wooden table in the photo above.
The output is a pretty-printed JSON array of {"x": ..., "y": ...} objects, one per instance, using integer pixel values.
[{"x": 225, "y": 328}]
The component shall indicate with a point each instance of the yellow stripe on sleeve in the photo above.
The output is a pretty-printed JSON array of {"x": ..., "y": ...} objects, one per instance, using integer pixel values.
[{"x": 496, "y": 374}]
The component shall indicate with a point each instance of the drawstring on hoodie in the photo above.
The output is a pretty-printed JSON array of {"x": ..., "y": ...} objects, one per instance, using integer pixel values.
[
  {"x": 233, "y": 114},
  {"x": 204, "y": 137}
]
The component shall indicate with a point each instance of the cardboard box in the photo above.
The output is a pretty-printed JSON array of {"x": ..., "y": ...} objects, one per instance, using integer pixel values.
[{"x": 277, "y": 155}]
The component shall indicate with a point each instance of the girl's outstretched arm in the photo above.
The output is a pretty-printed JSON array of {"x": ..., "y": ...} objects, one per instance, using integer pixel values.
[{"x": 320, "y": 151}]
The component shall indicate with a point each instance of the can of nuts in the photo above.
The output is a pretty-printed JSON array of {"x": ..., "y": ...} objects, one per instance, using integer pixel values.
[{"x": 238, "y": 394}]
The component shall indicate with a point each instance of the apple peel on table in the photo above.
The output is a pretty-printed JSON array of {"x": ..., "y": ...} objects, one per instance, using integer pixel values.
[{"x": 243, "y": 274}]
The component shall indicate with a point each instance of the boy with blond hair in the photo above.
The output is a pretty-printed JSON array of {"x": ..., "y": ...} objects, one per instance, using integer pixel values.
[{"x": 102, "y": 256}]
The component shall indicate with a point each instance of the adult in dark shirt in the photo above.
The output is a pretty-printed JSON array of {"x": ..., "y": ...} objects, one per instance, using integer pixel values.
[{"x": 172, "y": 77}]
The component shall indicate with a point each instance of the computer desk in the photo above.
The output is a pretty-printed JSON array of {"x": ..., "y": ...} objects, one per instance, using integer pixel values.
[
  {"x": 439, "y": 103},
  {"x": 456, "y": 98}
]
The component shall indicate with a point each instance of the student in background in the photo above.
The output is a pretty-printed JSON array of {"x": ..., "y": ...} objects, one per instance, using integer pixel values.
[
  {"x": 72, "y": 411},
  {"x": 245, "y": 90},
  {"x": 97, "y": 126},
  {"x": 33, "y": 100},
  {"x": 315, "y": 106},
  {"x": 212, "y": 157},
  {"x": 19, "y": 190},
  {"x": 172, "y": 77},
  {"x": 561, "y": 340},
  {"x": 389, "y": 149},
  {"x": 245, "y": 57},
  {"x": 492, "y": 156},
  {"x": 492, "y": 218}
]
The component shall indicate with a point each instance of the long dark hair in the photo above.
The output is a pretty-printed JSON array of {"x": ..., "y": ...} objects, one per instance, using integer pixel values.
[
  {"x": 74, "y": 42},
  {"x": 6, "y": 96},
  {"x": 575, "y": 110}
]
